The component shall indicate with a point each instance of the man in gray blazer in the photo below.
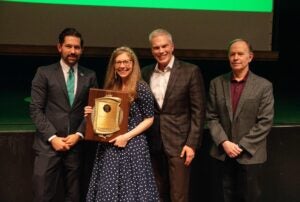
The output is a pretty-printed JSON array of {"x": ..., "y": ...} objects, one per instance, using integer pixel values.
[
  {"x": 240, "y": 115},
  {"x": 59, "y": 93},
  {"x": 179, "y": 116}
]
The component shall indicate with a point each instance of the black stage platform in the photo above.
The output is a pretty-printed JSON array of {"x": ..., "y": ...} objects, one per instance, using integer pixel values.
[{"x": 281, "y": 180}]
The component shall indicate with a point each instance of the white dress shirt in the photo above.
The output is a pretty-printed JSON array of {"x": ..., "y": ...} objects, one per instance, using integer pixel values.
[
  {"x": 159, "y": 82},
  {"x": 66, "y": 70}
]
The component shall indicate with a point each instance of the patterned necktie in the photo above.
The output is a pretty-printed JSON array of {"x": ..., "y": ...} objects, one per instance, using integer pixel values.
[{"x": 70, "y": 85}]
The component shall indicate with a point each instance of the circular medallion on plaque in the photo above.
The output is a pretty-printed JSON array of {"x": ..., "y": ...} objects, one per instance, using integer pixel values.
[{"x": 107, "y": 108}]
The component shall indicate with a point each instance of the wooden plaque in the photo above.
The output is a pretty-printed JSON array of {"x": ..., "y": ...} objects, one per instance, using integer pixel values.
[{"x": 110, "y": 114}]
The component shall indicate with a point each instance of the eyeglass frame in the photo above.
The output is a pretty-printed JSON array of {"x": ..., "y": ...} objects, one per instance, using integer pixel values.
[{"x": 125, "y": 62}]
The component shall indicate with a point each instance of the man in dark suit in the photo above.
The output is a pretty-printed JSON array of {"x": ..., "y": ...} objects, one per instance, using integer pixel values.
[
  {"x": 240, "y": 115},
  {"x": 179, "y": 116},
  {"x": 59, "y": 93}
]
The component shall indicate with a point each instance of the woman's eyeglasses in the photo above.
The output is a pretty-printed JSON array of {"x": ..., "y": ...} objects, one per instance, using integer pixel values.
[{"x": 125, "y": 62}]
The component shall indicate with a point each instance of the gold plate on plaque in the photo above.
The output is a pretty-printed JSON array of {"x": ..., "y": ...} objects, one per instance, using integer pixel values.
[
  {"x": 110, "y": 114},
  {"x": 107, "y": 116}
]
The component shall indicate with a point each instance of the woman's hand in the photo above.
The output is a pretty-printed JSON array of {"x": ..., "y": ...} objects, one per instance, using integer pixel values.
[
  {"x": 87, "y": 110},
  {"x": 120, "y": 141}
]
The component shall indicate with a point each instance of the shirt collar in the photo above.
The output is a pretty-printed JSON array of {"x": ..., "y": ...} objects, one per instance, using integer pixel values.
[
  {"x": 243, "y": 80},
  {"x": 66, "y": 67},
  {"x": 168, "y": 67}
]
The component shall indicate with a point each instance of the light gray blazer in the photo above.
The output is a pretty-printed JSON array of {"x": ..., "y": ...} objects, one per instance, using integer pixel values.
[{"x": 252, "y": 121}]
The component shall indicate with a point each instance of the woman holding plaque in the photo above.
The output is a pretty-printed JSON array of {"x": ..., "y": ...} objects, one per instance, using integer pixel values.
[{"x": 122, "y": 169}]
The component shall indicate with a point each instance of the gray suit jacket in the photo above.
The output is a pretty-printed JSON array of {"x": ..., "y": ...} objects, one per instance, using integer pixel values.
[
  {"x": 180, "y": 120},
  {"x": 50, "y": 109},
  {"x": 252, "y": 121}
]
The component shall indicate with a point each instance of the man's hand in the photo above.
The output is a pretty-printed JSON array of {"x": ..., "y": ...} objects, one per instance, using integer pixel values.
[
  {"x": 231, "y": 149},
  {"x": 72, "y": 139},
  {"x": 189, "y": 154},
  {"x": 59, "y": 144}
]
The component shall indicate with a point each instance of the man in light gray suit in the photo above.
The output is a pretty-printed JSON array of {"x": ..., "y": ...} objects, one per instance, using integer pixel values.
[
  {"x": 178, "y": 119},
  {"x": 59, "y": 93},
  {"x": 240, "y": 115}
]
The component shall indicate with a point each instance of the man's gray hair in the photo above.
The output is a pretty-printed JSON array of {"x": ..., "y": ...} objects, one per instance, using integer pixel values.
[{"x": 159, "y": 32}]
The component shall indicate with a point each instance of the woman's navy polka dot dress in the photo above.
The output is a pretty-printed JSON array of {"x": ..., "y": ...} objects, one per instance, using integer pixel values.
[{"x": 125, "y": 174}]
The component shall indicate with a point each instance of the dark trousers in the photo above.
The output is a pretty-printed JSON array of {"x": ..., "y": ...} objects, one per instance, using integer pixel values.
[
  {"x": 50, "y": 168},
  {"x": 172, "y": 177},
  {"x": 236, "y": 182}
]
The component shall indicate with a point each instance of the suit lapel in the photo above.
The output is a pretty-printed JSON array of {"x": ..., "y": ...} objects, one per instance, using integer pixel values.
[
  {"x": 248, "y": 89},
  {"x": 80, "y": 78},
  {"x": 61, "y": 80},
  {"x": 171, "y": 82},
  {"x": 226, "y": 89}
]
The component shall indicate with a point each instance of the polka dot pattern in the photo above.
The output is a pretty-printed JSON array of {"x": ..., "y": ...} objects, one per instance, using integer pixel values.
[{"x": 125, "y": 174}]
